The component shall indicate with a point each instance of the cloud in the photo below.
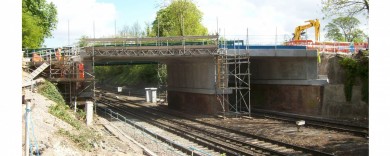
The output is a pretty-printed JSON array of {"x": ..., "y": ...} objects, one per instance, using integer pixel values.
[
  {"x": 262, "y": 18},
  {"x": 81, "y": 15}
]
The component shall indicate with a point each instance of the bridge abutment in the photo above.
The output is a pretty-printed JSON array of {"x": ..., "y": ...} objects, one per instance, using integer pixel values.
[
  {"x": 287, "y": 80},
  {"x": 191, "y": 85},
  {"x": 193, "y": 102}
]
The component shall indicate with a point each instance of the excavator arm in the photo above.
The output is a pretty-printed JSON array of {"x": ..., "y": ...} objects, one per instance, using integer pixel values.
[{"x": 312, "y": 23}]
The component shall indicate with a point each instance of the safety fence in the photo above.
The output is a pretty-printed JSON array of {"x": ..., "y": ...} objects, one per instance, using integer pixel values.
[
  {"x": 335, "y": 47},
  {"x": 285, "y": 42}
]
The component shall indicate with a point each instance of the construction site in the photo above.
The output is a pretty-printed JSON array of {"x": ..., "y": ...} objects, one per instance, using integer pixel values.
[
  {"x": 212, "y": 79},
  {"x": 180, "y": 85}
]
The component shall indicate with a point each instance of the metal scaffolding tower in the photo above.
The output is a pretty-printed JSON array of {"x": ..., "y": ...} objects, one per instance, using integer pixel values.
[
  {"x": 162, "y": 82},
  {"x": 232, "y": 81},
  {"x": 66, "y": 69}
]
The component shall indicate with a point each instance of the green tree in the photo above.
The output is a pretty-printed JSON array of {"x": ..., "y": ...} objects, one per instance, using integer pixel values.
[
  {"x": 344, "y": 29},
  {"x": 180, "y": 18},
  {"x": 32, "y": 34},
  {"x": 38, "y": 20},
  {"x": 82, "y": 41},
  {"x": 344, "y": 7}
]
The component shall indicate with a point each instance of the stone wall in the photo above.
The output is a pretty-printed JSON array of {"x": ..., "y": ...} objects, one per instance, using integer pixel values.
[
  {"x": 318, "y": 100},
  {"x": 335, "y": 105},
  {"x": 298, "y": 99},
  {"x": 334, "y": 102}
]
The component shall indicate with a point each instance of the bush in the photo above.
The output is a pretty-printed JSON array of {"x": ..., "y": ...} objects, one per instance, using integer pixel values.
[
  {"x": 356, "y": 68},
  {"x": 50, "y": 91}
]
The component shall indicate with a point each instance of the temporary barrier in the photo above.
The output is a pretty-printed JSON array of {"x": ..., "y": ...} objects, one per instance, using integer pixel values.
[{"x": 343, "y": 47}]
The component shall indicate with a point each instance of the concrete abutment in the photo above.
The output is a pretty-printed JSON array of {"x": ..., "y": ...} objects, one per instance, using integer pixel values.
[
  {"x": 194, "y": 102},
  {"x": 191, "y": 85}
]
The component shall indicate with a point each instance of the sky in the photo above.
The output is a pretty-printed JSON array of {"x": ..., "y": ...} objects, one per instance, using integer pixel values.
[{"x": 267, "y": 21}]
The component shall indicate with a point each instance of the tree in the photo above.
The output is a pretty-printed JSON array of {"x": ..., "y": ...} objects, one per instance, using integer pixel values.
[
  {"x": 32, "y": 34},
  {"x": 180, "y": 18},
  {"x": 39, "y": 19},
  {"x": 344, "y": 7},
  {"x": 82, "y": 41},
  {"x": 133, "y": 31},
  {"x": 147, "y": 29},
  {"x": 344, "y": 29}
]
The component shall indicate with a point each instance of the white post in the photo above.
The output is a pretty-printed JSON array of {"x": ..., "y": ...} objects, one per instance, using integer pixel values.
[
  {"x": 147, "y": 96},
  {"x": 153, "y": 95},
  {"x": 75, "y": 104},
  {"x": 27, "y": 120},
  {"x": 89, "y": 110}
]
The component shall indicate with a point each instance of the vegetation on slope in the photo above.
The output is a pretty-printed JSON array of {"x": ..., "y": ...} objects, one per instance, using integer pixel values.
[
  {"x": 83, "y": 137},
  {"x": 356, "y": 67}
]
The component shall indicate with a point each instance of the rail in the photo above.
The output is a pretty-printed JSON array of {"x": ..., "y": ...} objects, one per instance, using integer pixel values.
[
  {"x": 356, "y": 129},
  {"x": 229, "y": 131},
  {"x": 144, "y": 131}
]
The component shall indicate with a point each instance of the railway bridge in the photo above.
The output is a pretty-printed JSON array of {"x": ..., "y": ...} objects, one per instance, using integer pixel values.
[{"x": 206, "y": 75}]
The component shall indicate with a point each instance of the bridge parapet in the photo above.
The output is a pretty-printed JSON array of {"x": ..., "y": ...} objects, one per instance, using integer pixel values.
[
  {"x": 153, "y": 51},
  {"x": 153, "y": 46}
]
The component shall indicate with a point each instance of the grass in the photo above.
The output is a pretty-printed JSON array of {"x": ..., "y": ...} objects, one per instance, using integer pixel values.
[
  {"x": 60, "y": 109},
  {"x": 83, "y": 137}
]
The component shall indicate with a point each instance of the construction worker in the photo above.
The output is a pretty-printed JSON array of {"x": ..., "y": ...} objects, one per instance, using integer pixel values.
[{"x": 58, "y": 54}]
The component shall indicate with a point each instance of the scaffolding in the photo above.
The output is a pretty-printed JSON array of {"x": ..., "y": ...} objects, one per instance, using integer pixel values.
[
  {"x": 232, "y": 81},
  {"x": 150, "y": 46},
  {"x": 162, "y": 82},
  {"x": 66, "y": 69}
]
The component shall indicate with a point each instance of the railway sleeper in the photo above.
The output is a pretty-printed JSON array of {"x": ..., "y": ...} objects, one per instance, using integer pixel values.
[{"x": 230, "y": 134}]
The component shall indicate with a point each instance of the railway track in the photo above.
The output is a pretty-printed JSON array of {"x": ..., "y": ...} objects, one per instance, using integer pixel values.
[
  {"x": 356, "y": 129},
  {"x": 219, "y": 139}
]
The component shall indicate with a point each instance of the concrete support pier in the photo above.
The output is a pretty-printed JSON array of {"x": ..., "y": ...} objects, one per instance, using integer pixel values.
[
  {"x": 89, "y": 112},
  {"x": 191, "y": 85}
]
